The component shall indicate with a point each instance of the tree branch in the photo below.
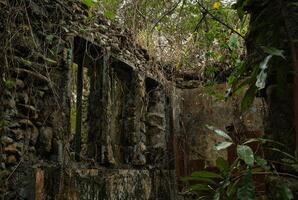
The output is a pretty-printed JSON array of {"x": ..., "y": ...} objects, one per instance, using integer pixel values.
[
  {"x": 165, "y": 14},
  {"x": 219, "y": 20}
]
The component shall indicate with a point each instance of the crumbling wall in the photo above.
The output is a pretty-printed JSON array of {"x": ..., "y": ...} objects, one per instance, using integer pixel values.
[
  {"x": 128, "y": 148},
  {"x": 200, "y": 108}
]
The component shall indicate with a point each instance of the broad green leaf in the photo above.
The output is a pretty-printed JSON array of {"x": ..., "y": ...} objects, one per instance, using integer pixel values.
[
  {"x": 246, "y": 154},
  {"x": 205, "y": 174},
  {"x": 248, "y": 98},
  {"x": 219, "y": 132},
  {"x": 247, "y": 189},
  {"x": 273, "y": 51},
  {"x": 199, "y": 187},
  {"x": 222, "y": 145},
  {"x": 222, "y": 164}
]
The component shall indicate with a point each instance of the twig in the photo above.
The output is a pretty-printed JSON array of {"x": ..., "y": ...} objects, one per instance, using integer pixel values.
[
  {"x": 37, "y": 75},
  {"x": 14, "y": 170},
  {"x": 165, "y": 14},
  {"x": 201, "y": 20},
  {"x": 219, "y": 20}
]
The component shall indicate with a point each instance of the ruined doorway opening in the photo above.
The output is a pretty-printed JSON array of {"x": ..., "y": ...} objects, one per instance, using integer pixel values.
[
  {"x": 100, "y": 105},
  {"x": 85, "y": 56},
  {"x": 121, "y": 97}
]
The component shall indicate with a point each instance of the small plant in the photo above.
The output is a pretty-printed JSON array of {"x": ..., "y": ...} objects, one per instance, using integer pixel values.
[{"x": 237, "y": 179}]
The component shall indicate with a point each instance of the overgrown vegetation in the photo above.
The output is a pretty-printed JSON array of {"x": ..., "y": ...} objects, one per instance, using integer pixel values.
[
  {"x": 219, "y": 42},
  {"x": 244, "y": 177},
  {"x": 204, "y": 36}
]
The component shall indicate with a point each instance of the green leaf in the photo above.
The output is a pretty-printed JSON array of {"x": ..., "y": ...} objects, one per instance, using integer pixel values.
[
  {"x": 219, "y": 132},
  {"x": 263, "y": 140},
  {"x": 247, "y": 189},
  {"x": 216, "y": 196},
  {"x": 205, "y": 174},
  {"x": 251, "y": 140},
  {"x": 231, "y": 189},
  {"x": 262, "y": 162},
  {"x": 273, "y": 51},
  {"x": 109, "y": 14},
  {"x": 285, "y": 193},
  {"x": 246, "y": 154},
  {"x": 295, "y": 167},
  {"x": 88, "y": 3},
  {"x": 9, "y": 84},
  {"x": 199, "y": 187},
  {"x": 248, "y": 98},
  {"x": 288, "y": 161},
  {"x": 222, "y": 164},
  {"x": 222, "y": 145},
  {"x": 233, "y": 41},
  {"x": 282, "y": 152},
  {"x": 195, "y": 178}
]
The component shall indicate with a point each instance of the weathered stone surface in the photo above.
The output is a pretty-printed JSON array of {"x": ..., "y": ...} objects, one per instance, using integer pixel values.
[
  {"x": 12, "y": 149},
  {"x": 45, "y": 139},
  {"x": 129, "y": 184},
  {"x": 32, "y": 133},
  {"x": 19, "y": 134},
  {"x": 10, "y": 103},
  {"x": 117, "y": 184},
  {"x": 201, "y": 109},
  {"x": 138, "y": 156},
  {"x": 11, "y": 160},
  {"x": 6, "y": 140},
  {"x": 120, "y": 135}
]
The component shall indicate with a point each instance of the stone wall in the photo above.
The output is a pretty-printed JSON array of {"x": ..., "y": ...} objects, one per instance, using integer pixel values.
[
  {"x": 128, "y": 116},
  {"x": 200, "y": 108}
]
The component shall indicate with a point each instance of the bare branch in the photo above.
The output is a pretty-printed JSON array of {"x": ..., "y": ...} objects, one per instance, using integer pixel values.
[{"x": 205, "y": 10}]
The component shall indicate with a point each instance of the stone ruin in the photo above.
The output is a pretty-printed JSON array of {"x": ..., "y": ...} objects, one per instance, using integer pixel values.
[{"x": 134, "y": 135}]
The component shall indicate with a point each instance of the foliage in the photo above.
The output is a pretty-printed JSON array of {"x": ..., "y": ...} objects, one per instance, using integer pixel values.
[
  {"x": 236, "y": 180},
  {"x": 182, "y": 33},
  {"x": 269, "y": 56},
  {"x": 208, "y": 37}
]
